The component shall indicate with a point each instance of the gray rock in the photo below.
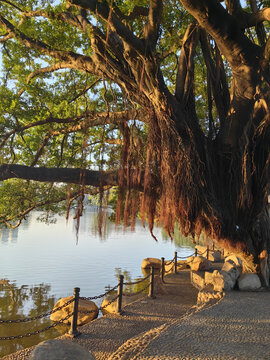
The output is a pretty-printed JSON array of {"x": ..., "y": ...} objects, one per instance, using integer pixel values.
[
  {"x": 60, "y": 350},
  {"x": 214, "y": 256},
  {"x": 231, "y": 269},
  {"x": 249, "y": 282}
]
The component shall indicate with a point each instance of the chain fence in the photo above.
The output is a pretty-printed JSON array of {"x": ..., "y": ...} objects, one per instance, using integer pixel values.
[
  {"x": 167, "y": 271},
  {"x": 138, "y": 281},
  {"x": 16, "y": 321},
  {"x": 13, "y": 337},
  {"x": 100, "y": 308},
  {"x": 101, "y": 295},
  {"x": 185, "y": 257}
]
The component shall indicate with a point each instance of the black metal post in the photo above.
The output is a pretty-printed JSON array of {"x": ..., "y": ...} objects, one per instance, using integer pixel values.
[
  {"x": 196, "y": 252},
  {"x": 120, "y": 294},
  {"x": 162, "y": 268},
  {"x": 175, "y": 262},
  {"x": 73, "y": 327},
  {"x": 151, "y": 287},
  {"x": 207, "y": 253}
]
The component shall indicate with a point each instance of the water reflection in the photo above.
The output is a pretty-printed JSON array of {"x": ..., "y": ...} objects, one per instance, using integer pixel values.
[
  {"x": 19, "y": 303},
  {"x": 9, "y": 235}
]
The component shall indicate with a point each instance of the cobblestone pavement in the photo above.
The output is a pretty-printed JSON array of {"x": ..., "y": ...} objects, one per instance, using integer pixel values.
[{"x": 238, "y": 327}]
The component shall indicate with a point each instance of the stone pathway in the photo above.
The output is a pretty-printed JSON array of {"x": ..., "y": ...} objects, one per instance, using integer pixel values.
[{"x": 238, "y": 327}]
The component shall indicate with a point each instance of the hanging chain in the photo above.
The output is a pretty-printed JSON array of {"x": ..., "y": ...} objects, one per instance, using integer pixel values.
[
  {"x": 38, "y": 316},
  {"x": 38, "y": 331}
]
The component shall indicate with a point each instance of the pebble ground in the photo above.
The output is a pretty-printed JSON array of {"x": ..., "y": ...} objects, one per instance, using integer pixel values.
[{"x": 238, "y": 327}]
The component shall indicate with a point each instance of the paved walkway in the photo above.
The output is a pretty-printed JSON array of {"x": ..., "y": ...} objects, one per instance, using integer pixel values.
[{"x": 238, "y": 327}]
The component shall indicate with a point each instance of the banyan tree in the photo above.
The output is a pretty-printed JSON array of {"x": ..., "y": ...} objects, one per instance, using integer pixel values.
[{"x": 166, "y": 99}]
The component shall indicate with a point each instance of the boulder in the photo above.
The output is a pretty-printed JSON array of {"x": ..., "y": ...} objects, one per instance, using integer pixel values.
[
  {"x": 60, "y": 349},
  {"x": 197, "y": 279},
  {"x": 231, "y": 269},
  {"x": 111, "y": 308},
  {"x": 214, "y": 256},
  {"x": 199, "y": 263},
  {"x": 249, "y": 282},
  {"x": 151, "y": 262},
  {"x": 189, "y": 260},
  {"x": 222, "y": 281},
  {"x": 208, "y": 277},
  {"x": 84, "y": 305},
  {"x": 235, "y": 259}
]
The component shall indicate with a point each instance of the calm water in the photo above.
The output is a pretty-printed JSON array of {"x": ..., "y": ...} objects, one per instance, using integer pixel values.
[{"x": 41, "y": 263}]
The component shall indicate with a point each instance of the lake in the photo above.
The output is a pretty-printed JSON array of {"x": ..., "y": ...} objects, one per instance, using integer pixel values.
[{"x": 41, "y": 263}]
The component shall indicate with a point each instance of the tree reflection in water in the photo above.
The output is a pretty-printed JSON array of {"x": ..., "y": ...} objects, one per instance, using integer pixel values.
[{"x": 21, "y": 302}]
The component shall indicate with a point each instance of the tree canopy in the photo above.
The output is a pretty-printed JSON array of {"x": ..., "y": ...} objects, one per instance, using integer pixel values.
[{"x": 166, "y": 99}]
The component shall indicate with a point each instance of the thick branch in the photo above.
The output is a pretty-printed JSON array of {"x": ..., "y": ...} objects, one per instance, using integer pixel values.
[
  {"x": 154, "y": 20},
  {"x": 234, "y": 7},
  {"x": 102, "y": 9},
  {"x": 68, "y": 175},
  {"x": 185, "y": 73},
  {"x": 258, "y": 17},
  {"x": 259, "y": 26},
  {"x": 227, "y": 32}
]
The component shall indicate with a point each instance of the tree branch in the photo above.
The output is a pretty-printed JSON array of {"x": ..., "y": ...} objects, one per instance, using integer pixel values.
[
  {"x": 81, "y": 62},
  {"x": 102, "y": 9},
  {"x": 185, "y": 72},
  {"x": 11, "y": 4},
  {"x": 234, "y": 7},
  {"x": 47, "y": 69},
  {"x": 136, "y": 12},
  {"x": 227, "y": 32},
  {"x": 41, "y": 148},
  {"x": 154, "y": 20},
  {"x": 65, "y": 175},
  {"x": 84, "y": 121}
]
